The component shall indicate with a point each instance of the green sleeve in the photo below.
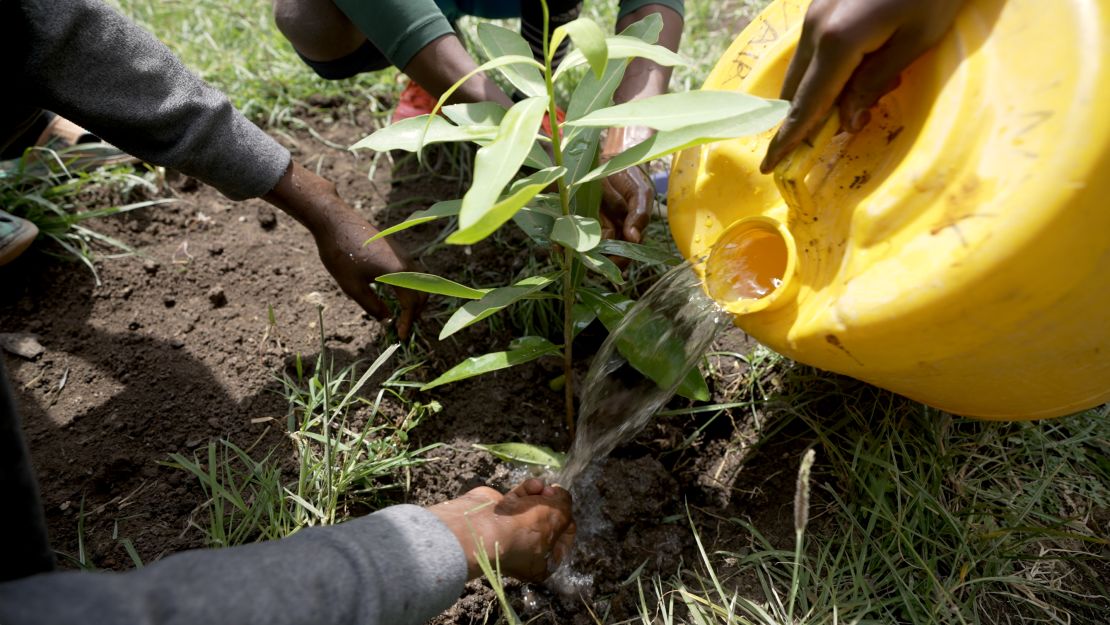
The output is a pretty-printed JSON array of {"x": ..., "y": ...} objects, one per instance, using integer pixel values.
[
  {"x": 628, "y": 6},
  {"x": 399, "y": 28}
]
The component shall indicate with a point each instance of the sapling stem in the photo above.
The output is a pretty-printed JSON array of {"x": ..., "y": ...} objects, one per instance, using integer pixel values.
[{"x": 564, "y": 201}]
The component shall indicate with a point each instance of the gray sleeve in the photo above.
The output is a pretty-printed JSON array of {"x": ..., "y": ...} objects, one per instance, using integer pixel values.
[
  {"x": 397, "y": 566},
  {"x": 88, "y": 63}
]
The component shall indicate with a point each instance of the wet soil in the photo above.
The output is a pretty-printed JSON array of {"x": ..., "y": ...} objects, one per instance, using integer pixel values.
[{"x": 175, "y": 348}]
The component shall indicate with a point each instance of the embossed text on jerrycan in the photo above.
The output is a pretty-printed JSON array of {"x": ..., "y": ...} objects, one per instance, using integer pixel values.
[{"x": 957, "y": 251}]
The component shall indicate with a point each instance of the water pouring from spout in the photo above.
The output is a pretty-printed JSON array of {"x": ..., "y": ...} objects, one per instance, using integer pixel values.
[
  {"x": 649, "y": 356},
  {"x": 654, "y": 350}
]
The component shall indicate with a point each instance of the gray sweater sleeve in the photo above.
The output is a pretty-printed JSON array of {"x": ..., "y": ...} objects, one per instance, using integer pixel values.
[
  {"x": 88, "y": 63},
  {"x": 397, "y": 566}
]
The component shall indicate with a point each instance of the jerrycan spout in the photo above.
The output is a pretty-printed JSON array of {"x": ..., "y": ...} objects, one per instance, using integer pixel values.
[{"x": 752, "y": 266}]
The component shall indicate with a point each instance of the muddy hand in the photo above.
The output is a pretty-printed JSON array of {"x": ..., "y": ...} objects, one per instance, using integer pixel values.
[
  {"x": 340, "y": 235},
  {"x": 531, "y": 527},
  {"x": 851, "y": 53}
]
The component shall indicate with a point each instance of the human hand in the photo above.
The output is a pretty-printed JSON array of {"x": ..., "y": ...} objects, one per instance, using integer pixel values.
[
  {"x": 851, "y": 54},
  {"x": 627, "y": 196},
  {"x": 531, "y": 527},
  {"x": 355, "y": 265},
  {"x": 340, "y": 235}
]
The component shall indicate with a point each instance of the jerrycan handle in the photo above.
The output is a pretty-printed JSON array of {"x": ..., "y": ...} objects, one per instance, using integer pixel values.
[{"x": 790, "y": 174}]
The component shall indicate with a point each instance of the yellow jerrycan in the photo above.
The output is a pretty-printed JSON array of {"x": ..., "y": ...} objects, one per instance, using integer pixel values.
[{"x": 956, "y": 251}]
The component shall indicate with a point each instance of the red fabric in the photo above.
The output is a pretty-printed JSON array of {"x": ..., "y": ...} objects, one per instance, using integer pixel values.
[
  {"x": 415, "y": 101},
  {"x": 545, "y": 127}
]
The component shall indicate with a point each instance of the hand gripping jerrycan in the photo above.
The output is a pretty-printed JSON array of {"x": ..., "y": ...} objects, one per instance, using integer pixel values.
[{"x": 957, "y": 251}]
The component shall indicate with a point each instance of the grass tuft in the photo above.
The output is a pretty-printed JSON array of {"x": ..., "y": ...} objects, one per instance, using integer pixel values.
[
  {"x": 42, "y": 188},
  {"x": 921, "y": 517},
  {"x": 347, "y": 451}
]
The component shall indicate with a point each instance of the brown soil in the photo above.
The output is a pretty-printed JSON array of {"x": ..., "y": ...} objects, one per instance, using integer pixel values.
[{"x": 156, "y": 361}]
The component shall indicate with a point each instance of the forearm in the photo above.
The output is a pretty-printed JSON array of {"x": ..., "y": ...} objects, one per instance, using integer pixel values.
[
  {"x": 306, "y": 197},
  {"x": 441, "y": 63},
  {"x": 87, "y": 62},
  {"x": 398, "y": 566},
  {"x": 644, "y": 78}
]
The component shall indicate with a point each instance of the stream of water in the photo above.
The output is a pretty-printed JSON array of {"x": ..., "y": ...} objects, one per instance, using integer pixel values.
[{"x": 671, "y": 327}]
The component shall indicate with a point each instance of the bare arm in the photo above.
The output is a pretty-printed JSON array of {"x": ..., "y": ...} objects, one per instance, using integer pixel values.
[
  {"x": 629, "y": 195},
  {"x": 442, "y": 63}
]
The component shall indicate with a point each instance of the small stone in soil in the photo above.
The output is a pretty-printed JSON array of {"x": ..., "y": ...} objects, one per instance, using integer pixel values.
[
  {"x": 21, "y": 344},
  {"x": 217, "y": 296},
  {"x": 266, "y": 218}
]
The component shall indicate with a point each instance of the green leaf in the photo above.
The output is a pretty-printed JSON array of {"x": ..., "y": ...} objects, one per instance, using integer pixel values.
[
  {"x": 643, "y": 253},
  {"x": 484, "y": 117},
  {"x": 580, "y": 145},
  {"x": 624, "y": 47},
  {"x": 581, "y": 234},
  {"x": 447, "y": 208},
  {"x": 673, "y": 111},
  {"x": 538, "y": 158},
  {"x": 520, "y": 194},
  {"x": 497, "y": 163},
  {"x": 475, "y": 113},
  {"x": 581, "y": 317},
  {"x": 494, "y": 63},
  {"x": 535, "y": 223},
  {"x": 495, "y": 300},
  {"x": 525, "y": 349},
  {"x": 586, "y": 199},
  {"x": 430, "y": 283},
  {"x": 599, "y": 264},
  {"x": 647, "y": 343},
  {"x": 406, "y": 134},
  {"x": 646, "y": 29},
  {"x": 588, "y": 38},
  {"x": 498, "y": 42},
  {"x": 526, "y": 454},
  {"x": 670, "y": 141}
]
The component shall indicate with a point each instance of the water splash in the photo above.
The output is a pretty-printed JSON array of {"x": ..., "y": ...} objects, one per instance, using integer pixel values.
[{"x": 667, "y": 332}]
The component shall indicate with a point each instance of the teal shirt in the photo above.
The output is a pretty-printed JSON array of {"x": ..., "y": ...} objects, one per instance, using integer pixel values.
[{"x": 400, "y": 28}]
